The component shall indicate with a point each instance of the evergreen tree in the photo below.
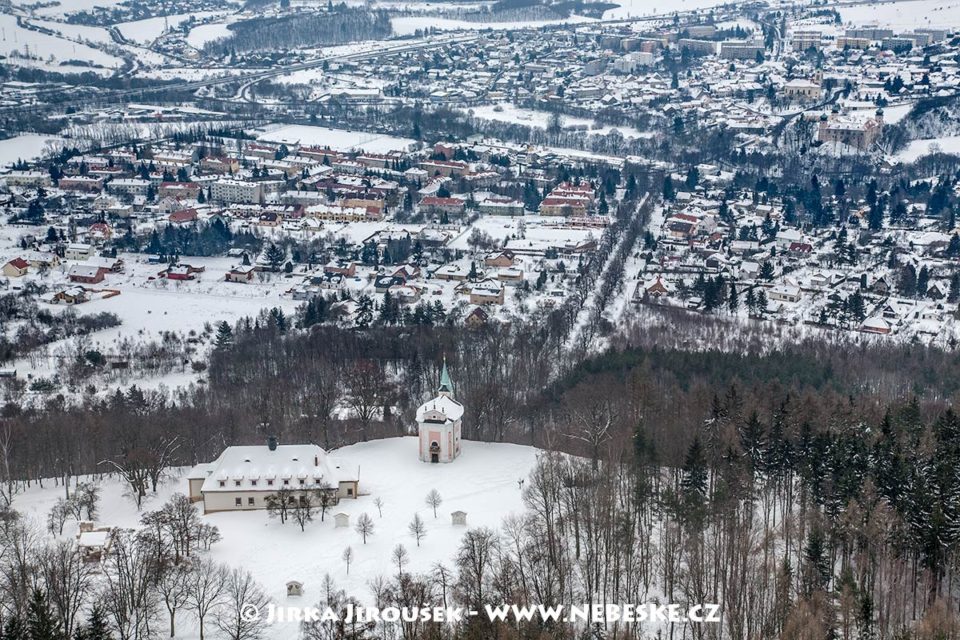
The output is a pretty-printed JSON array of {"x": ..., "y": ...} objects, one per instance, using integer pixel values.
[
  {"x": 923, "y": 281},
  {"x": 668, "y": 191},
  {"x": 761, "y": 302},
  {"x": 817, "y": 572},
  {"x": 224, "y": 337},
  {"x": 907, "y": 284},
  {"x": 96, "y": 627},
  {"x": 275, "y": 257},
  {"x": 42, "y": 622},
  {"x": 14, "y": 629}
]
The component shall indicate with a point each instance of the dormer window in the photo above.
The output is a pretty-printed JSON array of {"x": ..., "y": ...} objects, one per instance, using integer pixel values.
[
  {"x": 253, "y": 483},
  {"x": 269, "y": 483},
  {"x": 237, "y": 483},
  {"x": 223, "y": 483}
]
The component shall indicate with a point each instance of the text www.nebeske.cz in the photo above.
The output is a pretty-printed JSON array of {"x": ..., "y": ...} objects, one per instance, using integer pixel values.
[{"x": 645, "y": 612}]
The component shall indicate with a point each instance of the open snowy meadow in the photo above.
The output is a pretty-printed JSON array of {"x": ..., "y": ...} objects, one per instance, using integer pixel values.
[{"x": 483, "y": 482}]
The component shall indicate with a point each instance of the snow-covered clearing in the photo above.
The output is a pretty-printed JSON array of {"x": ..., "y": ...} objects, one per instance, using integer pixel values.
[
  {"x": 539, "y": 232},
  {"x": 53, "y": 50},
  {"x": 149, "y": 306},
  {"x": 506, "y": 112},
  {"x": 406, "y": 26},
  {"x": 644, "y": 8},
  {"x": 150, "y": 29},
  {"x": 482, "y": 482},
  {"x": 920, "y": 148},
  {"x": 65, "y": 7},
  {"x": 338, "y": 139},
  {"x": 205, "y": 33},
  {"x": 906, "y": 14},
  {"x": 27, "y": 147},
  {"x": 82, "y": 32}
]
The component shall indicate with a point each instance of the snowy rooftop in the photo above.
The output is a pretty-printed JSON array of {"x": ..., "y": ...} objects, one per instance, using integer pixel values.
[
  {"x": 447, "y": 408},
  {"x": 244, "y": 464}
]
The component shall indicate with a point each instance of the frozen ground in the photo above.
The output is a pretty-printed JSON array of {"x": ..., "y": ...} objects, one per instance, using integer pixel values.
[
  {"x": 149, "y": 307},
  {"x": 205, "y": 33},
  {"x": 483, "y": 482},
  {"x": 409, "y": 25},
  {"x": 51, "y": 50},
  {"x": 920, "y": 148},
  {"x": 64, "y": 7},
  {"x": 645, "y": 8},
  {"x": 27, "y": 147},
  {"x": 905, "y": 14},
  {"x": 150, "y": 29},
  {"x": 339, "y": 139},
  {"x": 80, "y": 32},
  {"x": 506, "y": 112}
]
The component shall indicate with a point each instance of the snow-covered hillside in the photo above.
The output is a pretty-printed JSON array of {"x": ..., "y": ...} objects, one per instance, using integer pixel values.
[{"x": 483, "y": 482}]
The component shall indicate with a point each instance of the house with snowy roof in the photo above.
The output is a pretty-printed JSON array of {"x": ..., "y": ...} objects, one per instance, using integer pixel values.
[{"x": 243, "y": 477}]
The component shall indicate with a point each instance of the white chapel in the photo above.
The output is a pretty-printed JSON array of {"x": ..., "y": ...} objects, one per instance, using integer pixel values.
[{"x": 438, "y": 422}]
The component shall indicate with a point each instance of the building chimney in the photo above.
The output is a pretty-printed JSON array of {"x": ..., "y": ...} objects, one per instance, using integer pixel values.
[{"x": 272, "y": 443}]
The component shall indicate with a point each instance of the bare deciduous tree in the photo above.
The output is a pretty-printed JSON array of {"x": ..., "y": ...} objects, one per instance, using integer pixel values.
[
  {"x": 173, "y": 583},
  {"x": 206, "y": 584},
  {"x": 433, "y": 501},
  {"x": 400, "y": 556},
  {"x": 242, "y": 596},
  {"x": 68, "y": 580},
  {"x": 417, "y": 529},
  {"x": 347, "y": 558},
  {"x": 364, "y": 526}
]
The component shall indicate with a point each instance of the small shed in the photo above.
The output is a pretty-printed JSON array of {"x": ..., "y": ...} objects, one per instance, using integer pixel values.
[
  {"x": 93, "y": 545},
  {"x": 294, "y": 589},
  {"x": 341, "y": 520},
  {"x": 459, "y": 518}
]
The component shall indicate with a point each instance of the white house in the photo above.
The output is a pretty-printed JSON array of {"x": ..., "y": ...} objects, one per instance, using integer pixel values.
[
  {"x": 439, "y": 423},
  {"x": 243, "y": 477}
]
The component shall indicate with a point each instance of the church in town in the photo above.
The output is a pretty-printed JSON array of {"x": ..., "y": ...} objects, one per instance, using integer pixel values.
[{"x": 438, "y": 423}]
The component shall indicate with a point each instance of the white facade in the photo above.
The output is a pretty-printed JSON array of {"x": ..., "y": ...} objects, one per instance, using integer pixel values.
[
  {"x": 236, "y": 191},
  {"x": 243, "y": 477}
]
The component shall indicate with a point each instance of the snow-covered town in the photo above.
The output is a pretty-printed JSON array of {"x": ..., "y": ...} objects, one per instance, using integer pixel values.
[{"x": 516, "y": 306}]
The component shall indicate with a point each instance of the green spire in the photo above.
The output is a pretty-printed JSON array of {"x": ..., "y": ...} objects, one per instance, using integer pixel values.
[{"x": 446, "y": 385}]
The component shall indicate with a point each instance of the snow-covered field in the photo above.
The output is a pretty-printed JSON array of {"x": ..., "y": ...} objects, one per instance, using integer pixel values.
[
  {"x": 904, "y": 14},
  {"x": 80, "y": 32},
  {"x": 506, "y": 112},
  {"x": 409, "y": 25},
  {"x": 150, "y": 29},
  {"x": 27, "y": 147},
  {"x": 335, "y": 138},
  {"x": 645, "y": 8},
  {"x": 150, "y": 306},
  {"x": 52, "y": 50},
  {"x": 483, "y": 482},
  {"x": 64, "y": 7},
  {"x": 205, "y": 33},
  {"x": 538, "y": 232},
  {"x": 920, "y": 148}
]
